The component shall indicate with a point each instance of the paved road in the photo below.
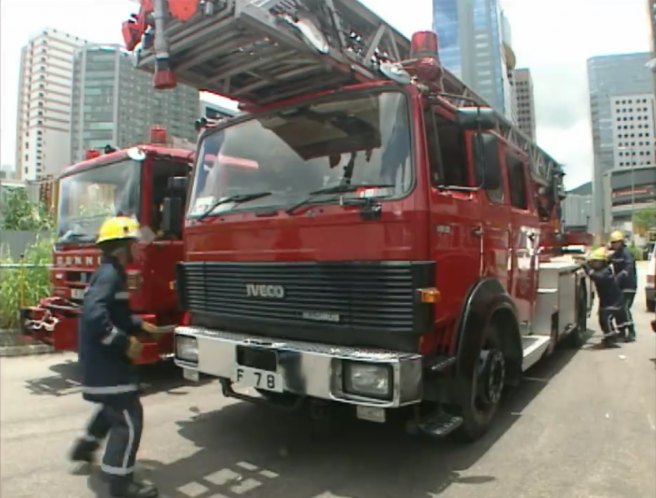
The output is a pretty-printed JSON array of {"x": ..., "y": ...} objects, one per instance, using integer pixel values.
[{"x": 583, "y": 424}]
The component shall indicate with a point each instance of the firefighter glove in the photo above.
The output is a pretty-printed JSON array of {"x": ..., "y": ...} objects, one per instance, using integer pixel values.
[{"x": 134, "y": 348}]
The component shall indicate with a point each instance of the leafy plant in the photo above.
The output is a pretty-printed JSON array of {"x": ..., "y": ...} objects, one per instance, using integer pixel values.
[
  {"x": 22, "y": 214},
  {"x": 35, "y": 282},
  {"x": 644, "y": 220}
]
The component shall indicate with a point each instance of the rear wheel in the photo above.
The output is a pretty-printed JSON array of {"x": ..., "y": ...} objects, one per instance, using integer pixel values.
[{"x": 483, "y": 391}]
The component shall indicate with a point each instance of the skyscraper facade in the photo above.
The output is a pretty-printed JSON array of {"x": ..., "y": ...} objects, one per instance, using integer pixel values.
[
  {"x": 611, "y": 76},
  {"x": 525, "y": 103},
  {"x": 115, "y": 104},
  {"x": 43, "y": 123},
  {"x": 651, "y": 9},
  {"x": 475, "y": 45}
]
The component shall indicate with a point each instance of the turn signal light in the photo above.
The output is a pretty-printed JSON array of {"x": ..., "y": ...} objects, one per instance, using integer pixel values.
[{"x": 430, "y": 295}]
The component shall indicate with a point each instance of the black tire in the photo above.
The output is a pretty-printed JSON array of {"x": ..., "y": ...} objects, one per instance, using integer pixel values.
[
  {"x": 483, "y": 390},
  {"x": 576, "y": 338}
]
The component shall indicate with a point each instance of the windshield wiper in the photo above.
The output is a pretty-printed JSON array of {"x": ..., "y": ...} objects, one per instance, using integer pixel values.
[
  {"x": 342, "y": 188},
  {"x": 237, "y": 199}
]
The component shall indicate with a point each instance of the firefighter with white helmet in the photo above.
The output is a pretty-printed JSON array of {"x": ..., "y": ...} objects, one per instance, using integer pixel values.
[
  {"x": 107, "y": 347},
  {"x": 624, "y": 267},
  {"x": 611, "y": 301}
]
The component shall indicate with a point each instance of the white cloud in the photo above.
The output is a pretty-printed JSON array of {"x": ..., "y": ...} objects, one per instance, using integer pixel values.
[{"x": 553, "y": 38}]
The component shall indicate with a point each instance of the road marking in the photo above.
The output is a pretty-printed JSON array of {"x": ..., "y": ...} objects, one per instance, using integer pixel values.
[{"x": 247, "y": 466}]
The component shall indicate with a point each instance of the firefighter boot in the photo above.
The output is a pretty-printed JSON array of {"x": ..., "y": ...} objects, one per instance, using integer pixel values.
[
  {"x": 84, "y": 450},
  {"x": 134, "y": 489}
]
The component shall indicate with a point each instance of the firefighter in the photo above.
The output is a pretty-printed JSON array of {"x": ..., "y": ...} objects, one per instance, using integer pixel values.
[
  {"x": 611, "y": 300},
  {"x": 107, "y": 347},
  {"x": 624, "y": 268}
]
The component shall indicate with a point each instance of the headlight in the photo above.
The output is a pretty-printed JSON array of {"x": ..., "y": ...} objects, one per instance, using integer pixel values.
[
  {"x": 368, "y": 379},
  {"x": 186, "y": 348}
]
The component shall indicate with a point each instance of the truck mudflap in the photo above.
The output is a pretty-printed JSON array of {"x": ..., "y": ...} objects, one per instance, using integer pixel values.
[
  {"x": 321, "y": 371},
  {"x": 54, "y": 321}
]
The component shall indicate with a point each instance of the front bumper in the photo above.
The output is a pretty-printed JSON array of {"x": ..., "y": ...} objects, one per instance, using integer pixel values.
[{"x": 308, "y": 369}]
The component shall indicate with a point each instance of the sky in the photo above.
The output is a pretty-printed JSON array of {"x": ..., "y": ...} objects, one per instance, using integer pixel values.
[{"x": 553, "y": 38}]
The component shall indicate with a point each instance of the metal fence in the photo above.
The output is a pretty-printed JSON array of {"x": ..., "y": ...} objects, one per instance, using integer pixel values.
[{"x": 15, "y": 242}]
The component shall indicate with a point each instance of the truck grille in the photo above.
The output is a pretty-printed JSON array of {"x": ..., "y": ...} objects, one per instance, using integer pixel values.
[{"x": 361, "y": 303}]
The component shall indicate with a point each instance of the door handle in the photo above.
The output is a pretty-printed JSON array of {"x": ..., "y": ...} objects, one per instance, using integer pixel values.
[{"x": 477, "y": 231}]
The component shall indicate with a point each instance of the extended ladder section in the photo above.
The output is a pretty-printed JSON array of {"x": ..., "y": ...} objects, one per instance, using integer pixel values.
[{"x": 261, "y": 51}]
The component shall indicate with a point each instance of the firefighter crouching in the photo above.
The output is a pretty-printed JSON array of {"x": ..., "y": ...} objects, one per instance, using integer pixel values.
[
  {"x": 624, "y": 268},
  {"x": 107, "y": 348},
  {"x": 611, "y": 300}
]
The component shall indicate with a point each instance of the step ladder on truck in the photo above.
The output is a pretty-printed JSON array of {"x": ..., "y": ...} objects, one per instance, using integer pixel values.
[{"x": 422, "y": 276}]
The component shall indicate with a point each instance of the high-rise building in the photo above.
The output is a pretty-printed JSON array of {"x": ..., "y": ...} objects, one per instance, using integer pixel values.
[
  {"x": 115, "y": 104},
  {"x": 212, "y": 110},
  {"x": 651, "y": 6},
  {"x": 43, "y": 123},
  {"x": 610, "y": 76},
  {"x": 524, "y": 101},
  {"x": 633, "y": 130},
  {"x": 475, "y": 45}
]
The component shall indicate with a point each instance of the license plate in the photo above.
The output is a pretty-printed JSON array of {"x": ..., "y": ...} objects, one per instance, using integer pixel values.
[
  {"x": 371, "y": 413},
  {"x": 190, "y": 374},
  {"x": 260, "y": 379},
  {"x": 77, "y": 293}
]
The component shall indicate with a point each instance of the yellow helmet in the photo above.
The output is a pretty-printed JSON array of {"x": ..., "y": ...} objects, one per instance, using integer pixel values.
[
  {"x": 600, "y": 254},
  {"x": 617, "y": 236},
  {"x": 118, "y": 228}
]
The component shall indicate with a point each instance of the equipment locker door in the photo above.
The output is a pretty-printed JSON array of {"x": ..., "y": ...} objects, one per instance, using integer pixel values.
[{"x": 524, "y": 236}]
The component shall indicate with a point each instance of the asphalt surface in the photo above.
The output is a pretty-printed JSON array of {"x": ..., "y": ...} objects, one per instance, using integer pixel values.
[{"x": 582, "y": 424}]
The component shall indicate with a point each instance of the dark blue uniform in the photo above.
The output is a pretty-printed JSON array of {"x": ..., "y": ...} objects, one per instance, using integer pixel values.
[
  {"x": 624, "y": 267},
  {"x": 110, "y": 378},
  {"x": 611, "y": 300}
]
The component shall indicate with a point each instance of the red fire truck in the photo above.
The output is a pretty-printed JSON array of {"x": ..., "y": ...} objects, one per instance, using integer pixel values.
[
  {"x": 371, "y": 233},
  {"x": 137, "y": 181}
]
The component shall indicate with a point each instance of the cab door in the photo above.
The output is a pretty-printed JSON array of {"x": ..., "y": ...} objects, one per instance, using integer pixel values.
[{"x": 456, "y": 234}]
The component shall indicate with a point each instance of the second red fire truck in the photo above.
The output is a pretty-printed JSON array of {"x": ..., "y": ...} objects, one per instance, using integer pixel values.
[{"x": 139, "y": 181}]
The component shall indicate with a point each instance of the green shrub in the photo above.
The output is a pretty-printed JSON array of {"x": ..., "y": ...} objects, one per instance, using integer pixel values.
[
  {"x": 635, "y": 251},
  {"x": 36, "y": 282}
]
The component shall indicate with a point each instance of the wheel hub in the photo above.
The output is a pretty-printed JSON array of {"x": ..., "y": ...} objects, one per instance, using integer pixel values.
[{"x": 492, "y": 375}]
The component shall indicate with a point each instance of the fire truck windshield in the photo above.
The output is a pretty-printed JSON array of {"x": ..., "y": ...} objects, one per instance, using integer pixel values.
[
  {"x": 362, "y": 138},
  {"x": 88, "y": 197}
]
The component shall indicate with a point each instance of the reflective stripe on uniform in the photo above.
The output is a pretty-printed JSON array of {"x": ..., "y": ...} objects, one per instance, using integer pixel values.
[
  {"x": 116, "y": 471},
  {"x": 128, "y": 448},
  {"x": 110, "y": 337},
  {"x": 122, "y": 295},
  {"x": 125, "y": 388}
]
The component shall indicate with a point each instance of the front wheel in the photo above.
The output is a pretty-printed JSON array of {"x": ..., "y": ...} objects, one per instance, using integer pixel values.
[{"x": 483, "y": 390}]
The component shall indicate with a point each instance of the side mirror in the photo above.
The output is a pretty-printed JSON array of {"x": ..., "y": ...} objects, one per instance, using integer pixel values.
[
  {"x": 477, "y": 118},
  {"x": 486, "y": 154},
  {"x": 172, "y": 217},
  {"x": 177, "y": 183}
]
